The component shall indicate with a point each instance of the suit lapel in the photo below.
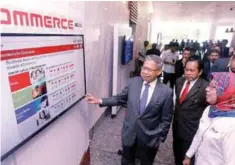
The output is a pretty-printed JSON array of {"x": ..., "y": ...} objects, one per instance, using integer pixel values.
[
  {"x": 193, "y": 90},
  {"x": 179, "y": 88},
  {"x": 156, "y": 94},
  {"x": 138, "y": 92}
]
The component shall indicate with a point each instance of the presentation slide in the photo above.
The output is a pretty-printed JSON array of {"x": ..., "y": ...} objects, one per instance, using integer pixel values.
[{"x": 41, "y": 77}]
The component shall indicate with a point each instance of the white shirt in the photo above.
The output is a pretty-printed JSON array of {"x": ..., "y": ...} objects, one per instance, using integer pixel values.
[
  {"x": 150, "y": 90},
  {"x": 211, "y": 64},
  {"x": 169, "y": 57},
  {"x": 143, "y": 51},
  {"x": 214, "y": 142},
  {"x": 190, "y": 86}
]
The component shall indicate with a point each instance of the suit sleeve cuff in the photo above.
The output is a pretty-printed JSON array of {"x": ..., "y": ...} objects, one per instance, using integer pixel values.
[
  {"x": 189, "y": 154},
  {"x": 100, "y": 102}
]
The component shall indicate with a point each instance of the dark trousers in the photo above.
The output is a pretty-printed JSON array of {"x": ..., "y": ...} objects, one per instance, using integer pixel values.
[
  {"x": 180, "y": 148},
  {"x": 169, "y": 77},
  {"x": 145, "y": 154}
]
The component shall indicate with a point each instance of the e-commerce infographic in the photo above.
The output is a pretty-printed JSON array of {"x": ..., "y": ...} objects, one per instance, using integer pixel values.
[{"x": 42, "y": 76}]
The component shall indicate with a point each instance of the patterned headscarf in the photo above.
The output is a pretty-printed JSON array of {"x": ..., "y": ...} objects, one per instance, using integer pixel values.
[{"x": 224, "y": 82}]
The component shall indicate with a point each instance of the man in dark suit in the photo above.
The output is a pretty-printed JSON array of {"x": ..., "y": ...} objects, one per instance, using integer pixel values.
[
  {"x": 180, "y": 64},
  {"x": 190, "y": 104},
  {"x": 173, "y": 41},
  {"x": 209, "y": 50},
  {"x": 224, "y": 49},
  {"x": 149, "y": 112},
  {"x": 182, "y": 46},
  {"x": 213, "y": 57},
  {"x": 224, "y": 64},
  {"x": 193, "y": 53},
  {"x": 221, "y": 65},
  {"x": 153, "y": 51}
]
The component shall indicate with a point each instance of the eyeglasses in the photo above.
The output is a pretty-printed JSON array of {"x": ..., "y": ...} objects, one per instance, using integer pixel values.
[{"x": 148, "y": 69}]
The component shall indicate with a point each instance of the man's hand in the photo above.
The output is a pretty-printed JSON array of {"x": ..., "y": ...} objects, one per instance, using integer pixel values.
[
  {"x": 92, "y": 100},
  {"x": 186, "y": 161}
]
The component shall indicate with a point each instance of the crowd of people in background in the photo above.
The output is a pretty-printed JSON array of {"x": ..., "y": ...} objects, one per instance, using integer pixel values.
[
  {"x": 176, "y": 53},
  {"x": 200, "y": 49},
  {"x": 203, "y": 49}
]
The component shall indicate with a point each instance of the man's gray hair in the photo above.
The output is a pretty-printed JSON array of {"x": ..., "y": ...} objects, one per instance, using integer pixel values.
[{"x": 156, "y": 59}]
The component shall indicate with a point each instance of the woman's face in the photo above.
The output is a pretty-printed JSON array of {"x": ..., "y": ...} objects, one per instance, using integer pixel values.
[{"x": 211, "y": 93}]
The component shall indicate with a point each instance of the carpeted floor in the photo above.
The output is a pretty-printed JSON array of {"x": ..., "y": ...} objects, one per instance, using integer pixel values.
[{"x": 106, "y": 142}]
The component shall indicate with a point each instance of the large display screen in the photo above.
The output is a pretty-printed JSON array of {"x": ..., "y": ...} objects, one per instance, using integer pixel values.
[
  {"x": 42, "y": 76},
  {"x": 127, "y": 50}
]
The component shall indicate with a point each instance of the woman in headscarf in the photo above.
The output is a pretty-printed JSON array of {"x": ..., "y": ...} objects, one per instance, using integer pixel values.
[{"x": 214, "y": 142}]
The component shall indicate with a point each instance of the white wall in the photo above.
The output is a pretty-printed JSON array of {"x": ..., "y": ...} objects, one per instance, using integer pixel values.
[
  {"x": 100, "y": 17},
  {"x": 180, "y": 29},
  {"x": 121, "y": 73},
  {"x": 233, "y": 42},
  {"x": 191, "y": 20}
]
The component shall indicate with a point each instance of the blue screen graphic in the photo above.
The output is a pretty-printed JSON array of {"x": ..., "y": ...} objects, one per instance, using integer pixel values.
[{"x": 127, "y": 54}]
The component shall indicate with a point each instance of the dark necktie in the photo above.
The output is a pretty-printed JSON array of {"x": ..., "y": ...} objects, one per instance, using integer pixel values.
[
  {"x": 185, "y": 92},
  {"x": 144, "y": 98}
]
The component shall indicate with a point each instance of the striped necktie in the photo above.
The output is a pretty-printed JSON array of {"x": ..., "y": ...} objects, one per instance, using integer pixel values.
[{"x": 144, "y": 98}]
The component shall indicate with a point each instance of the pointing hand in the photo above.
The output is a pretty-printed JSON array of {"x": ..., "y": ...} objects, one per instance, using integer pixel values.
[{"x": 92, "y": 100}]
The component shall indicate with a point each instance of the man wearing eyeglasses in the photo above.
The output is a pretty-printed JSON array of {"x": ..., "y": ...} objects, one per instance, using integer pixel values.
[
  {"x": 190, "y": 104},
  {"x": 149, "y": 112}
]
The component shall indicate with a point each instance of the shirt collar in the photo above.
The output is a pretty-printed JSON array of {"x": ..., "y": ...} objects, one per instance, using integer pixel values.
[
  {"x": 192, "y": 82},
  {"x": 152, "y": 84}
]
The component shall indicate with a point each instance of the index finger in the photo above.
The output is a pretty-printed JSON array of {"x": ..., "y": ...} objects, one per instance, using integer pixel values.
[{"x": 88, "y": 95}]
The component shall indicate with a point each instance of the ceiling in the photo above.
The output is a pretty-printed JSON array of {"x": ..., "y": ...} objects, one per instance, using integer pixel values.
[{"x": 219, "y": 12}]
